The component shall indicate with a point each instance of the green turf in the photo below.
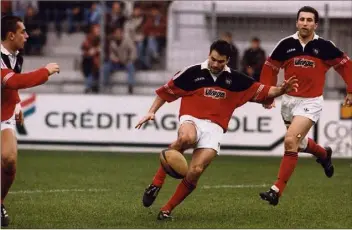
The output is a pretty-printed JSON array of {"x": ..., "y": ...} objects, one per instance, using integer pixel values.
[{"x": 310, "y": 201}]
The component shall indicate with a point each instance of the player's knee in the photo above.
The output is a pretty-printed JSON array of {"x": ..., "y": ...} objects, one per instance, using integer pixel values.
[
  {"x": 303, "y": 144},
  {"x": 184, "y": 141},
  {"x": 291, "y": 142},
  {"x": 196, "y": 170},
  {"x": 8, "y": 163}
]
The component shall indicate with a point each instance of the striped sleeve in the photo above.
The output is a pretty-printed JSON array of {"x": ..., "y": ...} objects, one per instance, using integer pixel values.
[
  {"x": 341, "y": 63},
  {"x": 6, "y": 74},
  {"x": 172, "y": 90},
  {"x": 272, "y": 65},
  {"x": 12, "y": 80}
]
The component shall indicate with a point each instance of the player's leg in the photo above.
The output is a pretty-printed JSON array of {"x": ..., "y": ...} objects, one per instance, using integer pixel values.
[
  {"x": 206, "y": 149},
  {"x": 312, "y": 108},
  {"x": 323, "y": 154},
  {"x": 8, "y": 166},
  {"x": 201, "y": 158},
  {"x": 298, "y": 129},
  {"x": 187, "y": 137}
]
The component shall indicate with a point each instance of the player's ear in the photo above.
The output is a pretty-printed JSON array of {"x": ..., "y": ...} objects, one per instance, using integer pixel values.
[
  {"x": 315, "y": 26},
  {"x": 11, "y": 36}
]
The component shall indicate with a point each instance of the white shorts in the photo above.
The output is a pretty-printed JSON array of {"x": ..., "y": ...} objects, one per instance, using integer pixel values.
[
  {"x": 300, "y": 106},
  {"x": 9, "y": 124},
  {"x": 209, "y": 134}
]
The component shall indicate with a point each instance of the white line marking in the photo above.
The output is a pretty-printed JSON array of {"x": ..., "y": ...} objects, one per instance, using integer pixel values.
[
  {"x": 57, "y": 191},
  {"x": 236, "y": 186}
]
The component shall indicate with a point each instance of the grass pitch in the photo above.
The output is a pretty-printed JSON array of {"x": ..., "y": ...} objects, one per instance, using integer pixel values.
[{"x": 61, "y": 189}]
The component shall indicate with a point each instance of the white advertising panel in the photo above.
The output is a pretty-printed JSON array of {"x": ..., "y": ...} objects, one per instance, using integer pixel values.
[
  {"x": 335, "y": 128},
  {"x": 109, "y": 121}
]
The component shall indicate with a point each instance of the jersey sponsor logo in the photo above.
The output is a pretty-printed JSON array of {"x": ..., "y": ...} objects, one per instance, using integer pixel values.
[
  {"x": 199, "y": 79},
  {"x": 305, "y": 63},
  {"x": 215, "y": 94},
  {"x": 291, "y": 50}
]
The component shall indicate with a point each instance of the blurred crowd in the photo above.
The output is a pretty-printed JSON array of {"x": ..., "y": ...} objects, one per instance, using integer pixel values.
[
  {"x": 134, "y": 41},
  {"x": 135, "y": 33},
  {"x": 253, "y": 57},
  {"x": 134, "y": 36}
]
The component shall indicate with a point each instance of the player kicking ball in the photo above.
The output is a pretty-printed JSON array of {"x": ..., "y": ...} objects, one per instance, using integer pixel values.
[
  {"x": 309, "y": 57},
  {"x": 209, "y": 92}
]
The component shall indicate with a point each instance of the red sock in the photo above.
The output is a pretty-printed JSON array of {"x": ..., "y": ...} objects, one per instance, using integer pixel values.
[
  {"x": 288, "y": 165},
  {"x": 182, "y": 191},
  {"x": 7, "y": 179},
  {"x": 159, "y": 177},
  {"x": 315, "y": 149}
]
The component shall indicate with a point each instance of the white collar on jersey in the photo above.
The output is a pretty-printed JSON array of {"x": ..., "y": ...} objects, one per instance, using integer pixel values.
[
  {"x": 204, "y": 65},
  {"x": 6, "y": 52},
  {"x": 295, "y": 36}
]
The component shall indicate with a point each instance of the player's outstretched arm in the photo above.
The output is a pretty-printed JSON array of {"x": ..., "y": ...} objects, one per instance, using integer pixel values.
[
  {"x": 287, "y": 86},
  {"x": 12, "y": 80},
  {"x": 158, "y": 102}
]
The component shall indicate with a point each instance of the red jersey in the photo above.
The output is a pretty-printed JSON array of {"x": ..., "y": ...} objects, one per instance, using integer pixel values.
[
  {"x": 309, "y": 63},
  {"x": 214, "y": 98},
  {"x": 11, "y": 82}
]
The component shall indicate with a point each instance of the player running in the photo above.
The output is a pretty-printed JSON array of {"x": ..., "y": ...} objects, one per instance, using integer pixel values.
[{"x": 307, "y": 56}]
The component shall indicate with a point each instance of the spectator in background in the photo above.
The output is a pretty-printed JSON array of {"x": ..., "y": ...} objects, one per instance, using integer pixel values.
[
  {"x": 6, "y": 8},
  {"x": 234, "y": 56},
  {"x": 20, "y": 7},
  {"x": 115, "y": 18},
  {"x": 155, "y": 32},
  {"x": 75, "y": 15},
  {"x": 37, "y": 31},
  {"x": 253, "y": 59},
  {"x": 122, "y": 55},
  {"x": 134, "y": 30},
  {"x": 92, "y": 15},
  {"x": 91, "y": 59}
]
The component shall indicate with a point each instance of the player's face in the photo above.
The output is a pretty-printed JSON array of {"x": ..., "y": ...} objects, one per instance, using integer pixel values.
[
  {"x": 216, "y": 62},
  {"x": 306, "y": 24},
  {"x": 20, "y": 37}
]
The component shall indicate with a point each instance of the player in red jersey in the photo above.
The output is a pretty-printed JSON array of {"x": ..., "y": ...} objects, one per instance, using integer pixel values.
[
  {"x": 209, "y": 92},
  {"x": 308, "y": 57},
  {"x": 13, "y": 37}
]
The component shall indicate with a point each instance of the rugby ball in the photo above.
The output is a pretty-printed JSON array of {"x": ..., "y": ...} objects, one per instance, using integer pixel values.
[{"x": 174, "y": 163}]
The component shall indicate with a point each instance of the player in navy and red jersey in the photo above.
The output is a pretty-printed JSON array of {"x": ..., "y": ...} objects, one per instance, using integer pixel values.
[
  {"x": 209, "y": 92},
  {"x": 308, "y": 57},
  {"x": 13, "y": 37}
]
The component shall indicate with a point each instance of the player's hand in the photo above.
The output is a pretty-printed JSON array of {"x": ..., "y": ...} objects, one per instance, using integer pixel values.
[
  {"x": 290, "y": 84},
  {"x": 53, "y": 68},
  {"x": 148, "y": 117},
  {"x": 19, "y": 118},
  {"x": 348, "y": 100},
  {"x": 269, "y": 106}
]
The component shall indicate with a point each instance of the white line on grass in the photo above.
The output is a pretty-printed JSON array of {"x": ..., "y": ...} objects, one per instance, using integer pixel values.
[
  {"x": 58, "y": 191},
  {"x": 235, "y": 186}
]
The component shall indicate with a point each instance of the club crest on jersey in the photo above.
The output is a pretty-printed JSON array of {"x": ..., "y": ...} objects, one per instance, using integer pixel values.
[
  {"x": 305, "y": 63},
  {"x": 315, "y": 51},
  {"x": 215, "y": 94}
]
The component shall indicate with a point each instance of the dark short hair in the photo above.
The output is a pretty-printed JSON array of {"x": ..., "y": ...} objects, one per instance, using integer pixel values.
[
  {"x": 309, "y": 9},
  {"x": 9, "y": 24},
  {"x": 222, "y": 47},
  {"x": 255, "y": 39}
]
